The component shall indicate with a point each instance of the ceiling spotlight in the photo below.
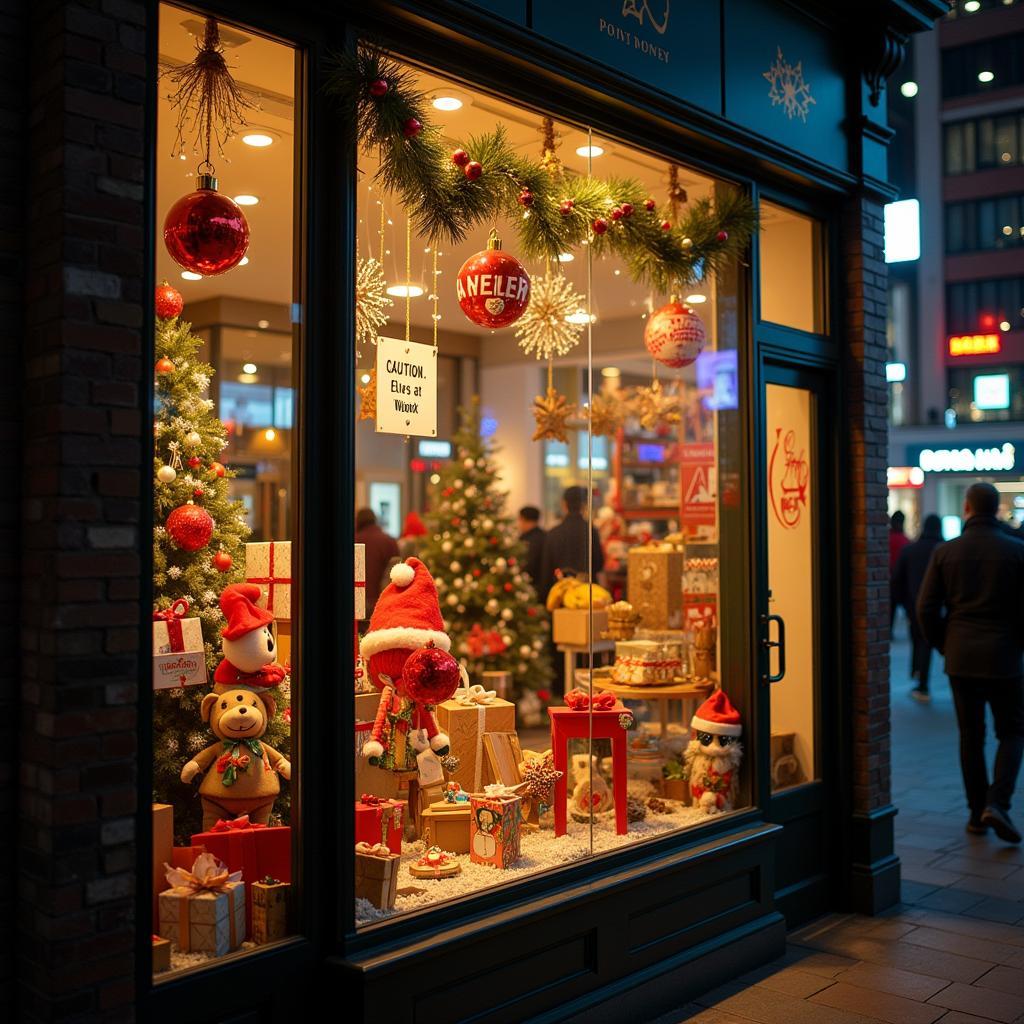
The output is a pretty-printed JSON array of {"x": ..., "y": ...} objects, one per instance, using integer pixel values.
[
  {"x": 258, "y": 140},
  {"x": 191, "y": 275},
  {"x": 565, "y": 257},
  {"x": 247, "y": 200},
  {"x": 244, "y": 261},
  {"x": 696, "y": 299},
  {"x": 909, "y": 89},
  {"x": 405, "y": 291},
  {"x": 447, "y": 103},
  {"x": 589, "y": 151},
  {"x": 270, "y": 434},
  {"x": 262, "y": 324},
  {"x": 581, "y": 317},
  {"x": 986, "y": 76},
  {"x": 249, "y": 367}
]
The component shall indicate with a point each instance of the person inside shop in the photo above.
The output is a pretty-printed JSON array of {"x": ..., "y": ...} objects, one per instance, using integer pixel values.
[
  {"x": 898, "y": 540},
  {"x": 531, "y": 534},
  {"x": 565, "y": 546},
  {"x": 906, "y": 585},
  {"x": 971, "y": 607},
  {"x": 381, "y": 548}
]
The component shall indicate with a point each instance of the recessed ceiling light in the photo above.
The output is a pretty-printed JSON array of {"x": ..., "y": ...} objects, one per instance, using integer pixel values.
[
  {"x": 247, "y": 200},
  {"x": 447, "y": 103},
  {"x": 972, "y": 5},
  {"x": 262, "y": 324},
  {"x": 190, "y": 275},
  {"x": 696, "y": 299},
  {"x": 986, "y": 76},
  {"x": 248, "y": 367},
  {"x": 565, "y": 257},
  {"x": 909, "y": 89},
  {"x": 244, "y": 261},
  {"x": 589, "y": 151},
  {"x": 405, "y": 291},
  {"x": 258, "y": 140},
  {"x": 580, "y": 317}
]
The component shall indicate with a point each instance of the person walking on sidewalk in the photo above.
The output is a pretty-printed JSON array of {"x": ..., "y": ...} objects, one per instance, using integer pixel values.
[
  {"x": 911, "y": 565},
  {"x": 971, "y": 607}
]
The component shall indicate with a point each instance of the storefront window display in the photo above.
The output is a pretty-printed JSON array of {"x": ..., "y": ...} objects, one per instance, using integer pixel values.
[
  {"x": 508, "y": 721},
  {"x": 224, "y": 436}
]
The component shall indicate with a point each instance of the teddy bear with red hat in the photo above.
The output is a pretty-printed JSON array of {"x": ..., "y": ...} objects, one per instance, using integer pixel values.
[
  {"x": 712, "y": 759},
  {"x": 407, "y": 659},
  {"x": 238, "y": 712}
]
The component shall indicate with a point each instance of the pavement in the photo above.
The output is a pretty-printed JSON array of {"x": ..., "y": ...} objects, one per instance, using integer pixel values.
[{"x": 952, "y": 951}]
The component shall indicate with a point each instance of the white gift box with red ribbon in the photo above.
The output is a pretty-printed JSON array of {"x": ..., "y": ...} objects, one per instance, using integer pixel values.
[
  {"x": 360, "y": 581},
  {"x": 179, "y": 657},
  {"x": 269, "y": 565}
]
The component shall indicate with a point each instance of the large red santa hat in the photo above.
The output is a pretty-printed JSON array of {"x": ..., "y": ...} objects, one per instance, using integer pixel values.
[
  {"x": 407, "y": 614},
  {"x": 717, "y": 716},
  {"x": 238, "y": 603}
]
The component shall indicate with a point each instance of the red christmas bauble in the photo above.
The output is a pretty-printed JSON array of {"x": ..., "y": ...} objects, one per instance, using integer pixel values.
[
  {"x": 674, "y": 335},
  {"x": 616, "y": 213},
  {"x": 195, "y": 462},
  {"x": 526, "y": 197},
  {"x": 460, "y": 158},
  {"x": 164, "y": 365},
  {"x": 722, "y": 236},
  {"x": 473, "y": 170},
  {"x": 206, "y": 232},
  {"x": 493, "y": 287},
  {"x": 222, "y": 561},
  {"x": 378, "y": 88},
  {"x": 167, "y": 301},
  {"x": 190, "y": 527},
  {"x": 430, "y": 675},
  {"x": 627, "y": 209},
  {"x": 566, "y": 207},
  {"x": 217, "y": 469},
  {"x": 649, "y": 204},
  {"x": 411, "y": 128},
  {"x": 666, "y": 225},
  {"x": 600, "y": 226}
]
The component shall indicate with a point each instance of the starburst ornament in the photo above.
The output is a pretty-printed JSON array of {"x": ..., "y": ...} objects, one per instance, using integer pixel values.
[
  {"x": 607, "y": 414},
  {"x": 368, "y": 397},
  {"x": 543, "y": 329},
  {"x": 653, "y": 406},
  {"x": 551, "y": 413},
  {"x": 372, "y": 302},
  {"x": 788, "y": 88}
]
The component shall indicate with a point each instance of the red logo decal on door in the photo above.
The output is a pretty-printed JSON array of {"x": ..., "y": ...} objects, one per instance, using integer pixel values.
[{"x": 788, "y": 477}]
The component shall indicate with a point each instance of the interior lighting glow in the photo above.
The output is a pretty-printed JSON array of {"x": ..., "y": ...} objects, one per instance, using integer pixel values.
[
  {"x": 565, "y": 257},
  {"x": 190, "y": 275},
  {"x": 696, "y": 299},
  {"x": 248, "y": 367},
  {"x": 895, "y": 372},
  {"x": 403, "y": 291},
  {"x": 902, "y": 231},
  {"x": 589, "y": 151},
  {"x": 909, "y": 89},
  {"x": 986, "y": 76},
  {"x": 258, "y": 140},
  {"x": 992, "y": 391},
  {"x": 247, "y": 200},
  {"x": 270, "y": 434},
  {"x": 447, "y": 103},
  {"x": 580, "y": 317}
]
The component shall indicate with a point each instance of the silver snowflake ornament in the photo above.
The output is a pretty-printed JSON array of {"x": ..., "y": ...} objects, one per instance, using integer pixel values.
[
  {"x": 372, "y": 302},
  {"x": 788, "y": 88},
  {"x": 543, "y": 329}
]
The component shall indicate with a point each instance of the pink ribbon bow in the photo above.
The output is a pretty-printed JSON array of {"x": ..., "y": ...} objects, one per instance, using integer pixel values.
[{"x": 580, "y": 701}]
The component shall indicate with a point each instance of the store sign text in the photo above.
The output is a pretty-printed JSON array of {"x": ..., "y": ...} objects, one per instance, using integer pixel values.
[
  {"x": 974, "y": 344},
  {"x": 406, "y": 388},
  {"x": 643, "y": 11},
  {"x": 968, "y": 460}
]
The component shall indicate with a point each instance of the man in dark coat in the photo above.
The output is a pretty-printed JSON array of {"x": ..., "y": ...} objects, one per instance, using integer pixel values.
[
  {"x": 898, "y": 540},
  {"x": 906, "y": 585},
  {"x": 380, "y": 549},
  {"x": 532, "y": 536},
  {"x": 971, "y": 607},
  {"x": 565, "y": 546}
]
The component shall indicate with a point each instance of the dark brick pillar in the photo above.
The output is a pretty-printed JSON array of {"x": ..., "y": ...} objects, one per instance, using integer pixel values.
[
  {"x": 82, "y": 492},
  {"x": 875, "y": 869}
]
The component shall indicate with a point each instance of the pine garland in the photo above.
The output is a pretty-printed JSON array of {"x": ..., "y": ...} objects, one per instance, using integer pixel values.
[{"x": 445, "y": 204}]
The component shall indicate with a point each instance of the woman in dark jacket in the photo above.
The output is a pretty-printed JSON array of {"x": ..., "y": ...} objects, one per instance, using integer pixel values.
[{"x": 907, "y": 577}]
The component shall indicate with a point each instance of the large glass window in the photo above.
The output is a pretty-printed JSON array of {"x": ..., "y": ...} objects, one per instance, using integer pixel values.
[
  {"x": 985, "y": 224},
  {"x": 225, "y": 573},
  {"x": 993, "y": 305},
  {"x": 990, "y": 64},
  {"x": 979, "y": 394},
  {"x": 600, "y": 475},
  {"x": 791, "y": 269}
]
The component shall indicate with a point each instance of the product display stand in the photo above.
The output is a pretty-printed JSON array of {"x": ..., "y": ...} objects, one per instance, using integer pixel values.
[{"x": 690, "y": 694}]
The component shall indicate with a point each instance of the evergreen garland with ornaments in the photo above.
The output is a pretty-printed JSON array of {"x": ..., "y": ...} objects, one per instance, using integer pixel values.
[
  {"x": 490, "y": 606},
  {"x": 199, "y": 537}
]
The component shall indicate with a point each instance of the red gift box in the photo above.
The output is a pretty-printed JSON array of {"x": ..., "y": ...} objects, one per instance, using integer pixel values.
[
  {"x": 254, "y": 850},
  {"x": 380, "y": 820}
]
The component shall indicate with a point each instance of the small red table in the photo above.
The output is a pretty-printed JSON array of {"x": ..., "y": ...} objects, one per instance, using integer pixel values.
[{"x": 566, "y": 725}]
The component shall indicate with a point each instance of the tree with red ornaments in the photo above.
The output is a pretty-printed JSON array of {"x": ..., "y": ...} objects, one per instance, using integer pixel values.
[{"x": 199, "y": 535}]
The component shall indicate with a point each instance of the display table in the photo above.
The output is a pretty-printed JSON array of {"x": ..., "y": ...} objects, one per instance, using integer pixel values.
[
  {"x": 571, "y": 651},
  {"x": 691, "y": 694},
  {"x": 566, "y": 725}
]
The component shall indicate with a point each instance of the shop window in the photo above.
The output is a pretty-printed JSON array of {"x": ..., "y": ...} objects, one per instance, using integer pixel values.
[
  {"x": 792, "y": 287},
  {"x": 983, "y": 394},
  {"x": 225, "y": 687},
  {"x": 985, "y": 224},
  {"x": 635, "y": 469},
  {"x": 985, "y": 306}
]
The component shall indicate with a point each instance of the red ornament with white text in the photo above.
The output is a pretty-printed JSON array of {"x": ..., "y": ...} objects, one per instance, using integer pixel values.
[
  {"x": 206, "y": 232},
  {"x": 493, "y": 287},
  {"x": 674, "y": 334}
]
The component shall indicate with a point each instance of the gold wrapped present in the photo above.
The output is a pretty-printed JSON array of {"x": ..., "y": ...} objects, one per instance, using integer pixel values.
[
  {"x": 465, "y": 718},
  {"x": 377, "y": 874},
  {"x": 204, "y": 910},
  {"x": 655, "y": 585}
]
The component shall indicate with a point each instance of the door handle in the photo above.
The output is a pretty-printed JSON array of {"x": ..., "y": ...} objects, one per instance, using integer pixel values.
[{"x": 767, "y": 643}]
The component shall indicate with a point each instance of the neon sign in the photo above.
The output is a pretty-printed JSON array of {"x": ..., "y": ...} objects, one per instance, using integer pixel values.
[
  {"x": 974, "y": 344},
  {"x": 968, "y": 460}
]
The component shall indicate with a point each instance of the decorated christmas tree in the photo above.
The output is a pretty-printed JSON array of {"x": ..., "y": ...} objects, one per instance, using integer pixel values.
[
  {"x": 490, "y": 605},
  {"x": 198, "y": 549}
]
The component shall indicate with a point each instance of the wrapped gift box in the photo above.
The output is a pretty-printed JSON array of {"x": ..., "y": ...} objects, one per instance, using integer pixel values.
[
  {"x": 360, "y": 581},
  {"x": 465, "y": 725},
  {"x": 161, "y": 954},
  {"x": 204, "y": 920},
  {"x": 494, "y": 832},
  {"x": 163, "y": 849},
  {"x": 255, "y": 852},
  {"x": 179, "y": 656},
  {"x": 571, "y": 626},
  {"x": 447, "y": 825},
  {"x": 377, "y": 878},
  {"x": 380, "y": 821},
  {"x": 655, "y": 585},
  {"x": 269, "y": 564},
  {"x": 269, "y": 911},
  {"x": 184, "y": 857},
  {"x": 644, "y": 663},
  {"x": 370, "y": 778},
  {"x": 426, "y": 796}
]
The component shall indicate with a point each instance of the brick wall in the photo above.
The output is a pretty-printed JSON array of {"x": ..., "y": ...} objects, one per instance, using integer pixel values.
[
  {"x": 867, "y": 415},
  {"x": 83, "y": 374}
]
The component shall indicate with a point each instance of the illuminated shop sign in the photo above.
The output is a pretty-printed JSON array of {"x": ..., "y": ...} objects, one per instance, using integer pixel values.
[
  {"x": 982, "y": 459},
  {"x": 974, "y": 345},
  {"x": 904, "y": 476}
]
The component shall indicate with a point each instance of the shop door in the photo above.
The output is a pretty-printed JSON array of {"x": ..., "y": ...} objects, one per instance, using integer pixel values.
[{"x": 797, "y": 635}]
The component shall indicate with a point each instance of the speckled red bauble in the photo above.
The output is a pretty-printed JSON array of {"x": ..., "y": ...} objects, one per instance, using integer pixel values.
[
  {"x": 430, "y": 675},
  {"x": 222, "y": 561},
  {"x": 206, "y": 232},
  {"x": 493, "y": 287},
  {"x": 167, "y": 301},
  {"x": 217, "y": 469},
  {"x": 190, "y": 527},
  {"x": 164, "y": 365},
  {"x": 674, "y": 335}
]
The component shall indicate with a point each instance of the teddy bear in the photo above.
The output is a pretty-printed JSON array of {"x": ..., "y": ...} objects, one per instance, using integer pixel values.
[
  {"x": 590, "y": 793},
  {"x": 712, "y": 759},
  {"x": 238, "y": 711}
]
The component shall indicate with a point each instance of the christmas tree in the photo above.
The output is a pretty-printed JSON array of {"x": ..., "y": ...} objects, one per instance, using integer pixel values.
[
  {"x": 191, "y": 483},
  {"x": 490, "y": 605}
]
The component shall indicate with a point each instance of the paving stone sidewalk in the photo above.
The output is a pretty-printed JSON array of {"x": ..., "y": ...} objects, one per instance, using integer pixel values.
[{"x": 952, "y": 952}]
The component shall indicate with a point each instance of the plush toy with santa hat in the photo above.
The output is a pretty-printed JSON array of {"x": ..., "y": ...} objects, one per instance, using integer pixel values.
[
  {"x": 407, "y": 659},
  {"x": 712, "y": 759}
]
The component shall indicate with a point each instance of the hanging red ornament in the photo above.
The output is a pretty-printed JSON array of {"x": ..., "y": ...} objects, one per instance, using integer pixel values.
[
  {"x": 217, "y": 469},
  {"x": 627, "y": 209},
  {"x": 190, "y": 527},
  {"x": 666, "y": 225},
  {"x": 430, "y": 675},
  {"x": 411, "y": 128},
  {"x": 473, "y": 170},
  {"x": 222, "y": 561},
  {"x": 198, "y": 492},
  {"x": 206, "y": 232},
  {"x": 493, "y": 287},
  {"x": 167, "y": 301},
  {"x": 378, "y": 88},
  {"x": 674, "y": 334},
  {"x": 460, "y": 158},
  {"x": 600, "y": 226},
  {"x": 722, "y": 236},
  {"x": 195, "y": 462},
  {"x": 526, "y": 197},
  {"x": 616, "y": 213},
  {"x": 566, "y": 207},
  {"x": 164, "y": 366},
  {"x": 649, "y": 204}
]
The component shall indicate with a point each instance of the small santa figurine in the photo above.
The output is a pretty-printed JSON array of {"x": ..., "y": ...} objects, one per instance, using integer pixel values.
[
  {"x": 712, "y": 758},
  {"x": 407, "y": 659}
]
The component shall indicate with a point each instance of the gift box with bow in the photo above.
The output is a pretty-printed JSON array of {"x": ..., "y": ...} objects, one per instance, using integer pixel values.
[
  {"x": 377, "y": 874},
  {"x": 203, "y": 911},
  {"x": 380, "y": 820},
  {"x": 465, "y": 718},
  {"x": 179, "y": 656},
  {"x": 269, "y": 565},
  {"x": 255, "y": 851},
  {"x": 269, "y": 909}
]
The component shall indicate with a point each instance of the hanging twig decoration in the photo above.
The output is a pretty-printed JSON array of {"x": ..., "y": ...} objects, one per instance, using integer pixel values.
[
  {"x": 549, "y": 158},
  {"x": 208, "y": 102},
  {"x": 676, "y": 193}
]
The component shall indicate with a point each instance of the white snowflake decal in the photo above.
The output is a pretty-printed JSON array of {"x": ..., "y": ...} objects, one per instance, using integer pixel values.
[{"x": 788, "y": 87}]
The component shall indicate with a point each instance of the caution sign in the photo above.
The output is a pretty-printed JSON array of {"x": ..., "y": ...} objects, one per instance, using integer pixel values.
[
  {"x": 406, "y": 388},
  {"x": 699, "y": 484}
]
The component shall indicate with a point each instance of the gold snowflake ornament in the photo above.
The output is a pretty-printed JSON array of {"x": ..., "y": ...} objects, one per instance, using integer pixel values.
[
  {"x": 543, "y": 329},
  {"x": 551, "y": 413},
  {"x": 607, "y": 414},
  {"x": 653, "y": 406},
  {"x": 789, "y": 89},
  {"x": 368, "y": 397},
  {"x": 372, "y": 302}
]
